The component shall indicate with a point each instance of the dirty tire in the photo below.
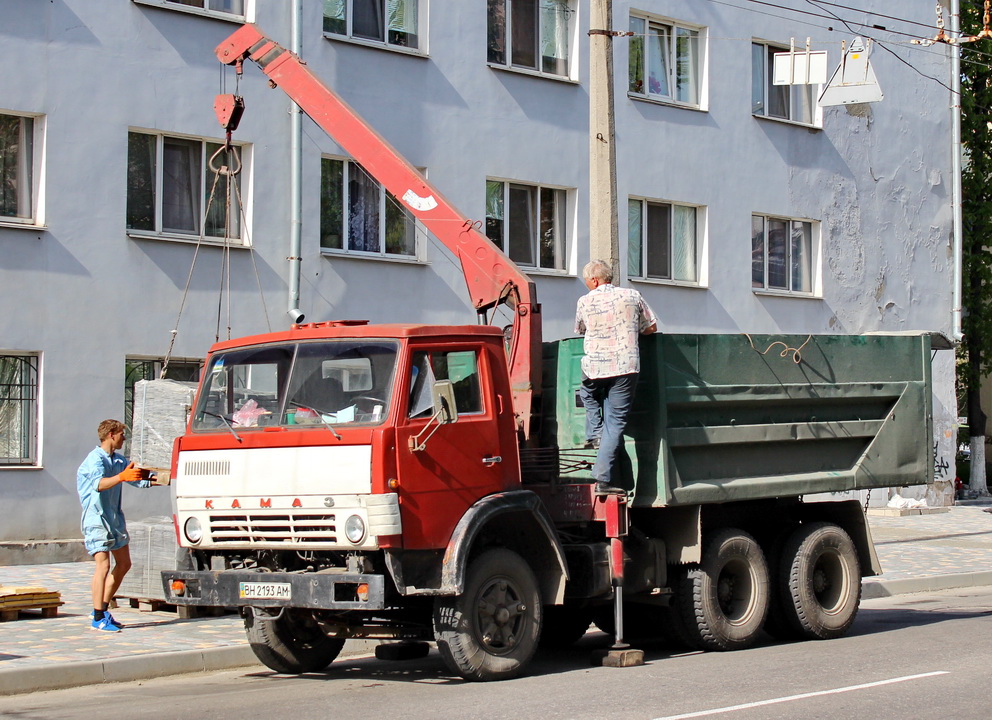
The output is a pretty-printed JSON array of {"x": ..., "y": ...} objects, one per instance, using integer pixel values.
[
  {"x": 293, "y": 644},
  {"x": 724, "y": 601},
  {"x": 564, "y": 625},
  {"x": 820, "y": 581},
  {"x": 677, "y": 633},
  {"x": 491, "y": 631},
  {"x": 777, "y": 623}
]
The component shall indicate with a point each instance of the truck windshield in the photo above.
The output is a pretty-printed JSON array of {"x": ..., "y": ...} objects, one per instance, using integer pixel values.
[{"x": 318, "y": 383}]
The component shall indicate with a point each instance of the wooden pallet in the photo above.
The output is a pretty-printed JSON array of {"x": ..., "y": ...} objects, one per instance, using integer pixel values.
[
  {"x": 183, "y": 611},
  {"x": 15, "y": 600}
]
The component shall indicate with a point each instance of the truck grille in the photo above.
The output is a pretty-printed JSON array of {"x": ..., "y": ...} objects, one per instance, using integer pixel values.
[{"x": 258, "y": 529}]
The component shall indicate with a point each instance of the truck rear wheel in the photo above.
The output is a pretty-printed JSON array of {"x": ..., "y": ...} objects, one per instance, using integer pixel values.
[
  {"x": 724, "y": 601},
  {"x": 291, "y": 644},
  {"x": 820, "y": 581},
  {"x": 491, "y": 631}
]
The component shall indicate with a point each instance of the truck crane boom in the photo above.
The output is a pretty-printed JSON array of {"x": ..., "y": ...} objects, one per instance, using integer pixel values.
[{"x": 491, "y": 277}]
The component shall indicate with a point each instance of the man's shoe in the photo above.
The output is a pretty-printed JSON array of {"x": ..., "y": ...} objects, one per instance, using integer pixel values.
[
  {"x": 603, "y": 488},
  {"x": 592, "y": 444},
  {"x": 113, "y": 620},
  {"x": 105, "y": 624}
]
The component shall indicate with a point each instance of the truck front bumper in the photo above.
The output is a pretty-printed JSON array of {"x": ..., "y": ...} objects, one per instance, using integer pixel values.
[{"x": 247, "y": 588}]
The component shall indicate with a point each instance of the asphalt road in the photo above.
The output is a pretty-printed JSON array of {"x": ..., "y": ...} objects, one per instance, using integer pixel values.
[{"x": 911, "y": 656}]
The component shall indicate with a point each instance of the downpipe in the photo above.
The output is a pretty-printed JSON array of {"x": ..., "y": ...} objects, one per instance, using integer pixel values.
[{"x": 295, "y": 185}]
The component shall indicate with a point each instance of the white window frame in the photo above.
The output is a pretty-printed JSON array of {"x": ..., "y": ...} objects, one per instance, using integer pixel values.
[
  {"x": 642, "y": 24},
  {"x": 31, "y": 412},
  {"x": 763, "y": 285},
  {"x": 35, "y": 216},
  {"x": 793, "y": 93},
  {"x": 348, "y": 32},
  {"x": 349, "y": 166},
  {"x": 246, "y": 16},
  {"x": 639, "y": 233},
  {"x": 206, "y": 180},
  {"x": 494, "y": 32},
  {"x": 563, "y": 198}
]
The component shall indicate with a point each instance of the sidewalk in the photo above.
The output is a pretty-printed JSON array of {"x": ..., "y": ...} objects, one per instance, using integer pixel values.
[{"x": 918, "y": 552}]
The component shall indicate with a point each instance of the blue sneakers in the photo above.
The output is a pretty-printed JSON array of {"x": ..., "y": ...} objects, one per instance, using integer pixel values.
[
  {"x": 105, "y": 624},
  {"x": 113, "y": 621}
]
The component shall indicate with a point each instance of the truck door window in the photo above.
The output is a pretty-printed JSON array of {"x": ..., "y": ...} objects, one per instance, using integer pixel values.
[{"x": 461, "y": 367}]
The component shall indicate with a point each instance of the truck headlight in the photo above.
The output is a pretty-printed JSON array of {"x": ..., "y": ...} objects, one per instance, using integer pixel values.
[
  {"x": 354, "y": 529},
  {"x": 193, "y": 531}
]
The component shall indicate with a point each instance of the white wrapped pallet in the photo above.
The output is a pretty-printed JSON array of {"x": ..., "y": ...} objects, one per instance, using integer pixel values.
[
  {"x": 153, "y": 549},
  {"x": 161, "y": 408}
]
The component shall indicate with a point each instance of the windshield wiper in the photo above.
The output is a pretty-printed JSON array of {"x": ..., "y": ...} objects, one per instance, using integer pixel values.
[
  {"x": 226, "y": 422},
  {"x": 320, "y": 416}
]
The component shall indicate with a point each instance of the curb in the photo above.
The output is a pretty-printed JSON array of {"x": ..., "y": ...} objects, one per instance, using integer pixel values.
[
  {"x": 142, "y": 667},
  {"x": 872, "y": 588}
]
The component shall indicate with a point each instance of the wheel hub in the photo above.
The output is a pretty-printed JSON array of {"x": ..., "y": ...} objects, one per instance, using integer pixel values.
[{"x": 501, "y": 615}]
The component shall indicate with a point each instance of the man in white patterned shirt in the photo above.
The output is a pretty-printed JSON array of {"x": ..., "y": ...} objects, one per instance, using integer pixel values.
[{"x": 611, "y": 319}]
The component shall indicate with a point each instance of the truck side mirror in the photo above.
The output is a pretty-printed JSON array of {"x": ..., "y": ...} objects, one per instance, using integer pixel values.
[{"x": 443, "y": 395}]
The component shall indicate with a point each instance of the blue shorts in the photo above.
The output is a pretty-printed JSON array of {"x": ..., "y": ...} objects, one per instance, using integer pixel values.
[{"x": 102, "y": 539}]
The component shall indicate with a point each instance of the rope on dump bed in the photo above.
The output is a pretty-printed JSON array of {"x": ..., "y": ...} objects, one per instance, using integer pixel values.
[{"x": 796, "y": 354}]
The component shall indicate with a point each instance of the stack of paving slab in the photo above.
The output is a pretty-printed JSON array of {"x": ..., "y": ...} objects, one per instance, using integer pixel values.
[
  {"x": 161, "y": 408},
  {"x": 153, "y": 549},
  {"x": 15, "y": 599}
]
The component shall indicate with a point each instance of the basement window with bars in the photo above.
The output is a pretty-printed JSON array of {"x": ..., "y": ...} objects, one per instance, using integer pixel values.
[
  {"x": 171, "y": 188},
  {"x": 19, "y": 394}
]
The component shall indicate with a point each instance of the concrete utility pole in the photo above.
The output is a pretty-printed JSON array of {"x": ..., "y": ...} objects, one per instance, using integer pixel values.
[{"x": 604, "y": 237}]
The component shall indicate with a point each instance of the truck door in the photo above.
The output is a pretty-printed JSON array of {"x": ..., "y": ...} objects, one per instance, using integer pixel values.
[{"x": 462, "y": 460}]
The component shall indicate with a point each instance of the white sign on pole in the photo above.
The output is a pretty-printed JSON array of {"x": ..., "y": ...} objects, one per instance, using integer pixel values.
[{"x": 800, "y": 68}]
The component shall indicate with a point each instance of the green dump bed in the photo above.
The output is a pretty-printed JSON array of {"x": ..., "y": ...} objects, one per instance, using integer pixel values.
[{"x": 721, "y": 418}]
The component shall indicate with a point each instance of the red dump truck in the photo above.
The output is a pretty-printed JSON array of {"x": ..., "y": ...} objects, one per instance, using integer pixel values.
[{"x": 429, "y": 483}]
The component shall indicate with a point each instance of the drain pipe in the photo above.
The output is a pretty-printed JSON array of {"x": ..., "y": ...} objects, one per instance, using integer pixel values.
[
  {"x": 956, "y": 192},
  {"x": 295, "y": 184}
]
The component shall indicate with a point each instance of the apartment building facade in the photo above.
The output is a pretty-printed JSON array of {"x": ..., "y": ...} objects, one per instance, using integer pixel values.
[{"x": 742, "y": 205}]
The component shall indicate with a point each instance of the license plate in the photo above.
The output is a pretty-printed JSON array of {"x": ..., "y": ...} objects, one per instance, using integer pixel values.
[{"x": 265, "y": 591}]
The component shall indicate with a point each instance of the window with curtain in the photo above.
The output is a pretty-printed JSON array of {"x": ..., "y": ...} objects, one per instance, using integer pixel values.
[
  {"x": 532, "y": 34},
  {"x": 19, "y": 378},
  {"x": 173, "y": 190},
  {"x": 358, "y": 215},
  {"x": 664, "y": 61},
  {"x": 16, "y": 168},
  {"x": 782, "y": 102},
  {"x": 390, "y": 22},
  {"x": 662, "y": 241},
  {"x": 527, "y": 222},
  {"x": 782, "y": 254}
]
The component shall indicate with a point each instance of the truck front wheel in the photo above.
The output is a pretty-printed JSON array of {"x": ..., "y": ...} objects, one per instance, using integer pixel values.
[
  {"x": 820, "y": 581},
  {"x": 292, "y": 643},
  {"x": 491, "y": 631},
  {"x": 724, "y": 601}
]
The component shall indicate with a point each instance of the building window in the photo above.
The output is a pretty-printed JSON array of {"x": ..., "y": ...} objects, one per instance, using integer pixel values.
[
  {"x": 226, "y": 9},
  {"x": 527, "y": 222},
  {"x": 17, "y": 171},
  {"x": 357, "y": 214},
  {"x": 532, "y": 34},
  {"x": 135, "y": 369},
  {"x": 662, "y": 241},
  {"x": 784, "y": 102},
  {"x": 395, "y": 23},
  {"x": 781, "y": 254},
  {"x": 664, "y": 61},
  {"x": 18, "y": 409},
  {"x": 171, "y": 184}
]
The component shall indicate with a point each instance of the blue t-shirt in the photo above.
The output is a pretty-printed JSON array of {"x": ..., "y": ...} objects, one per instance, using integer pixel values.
[{"x": 103, "y": 520}]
